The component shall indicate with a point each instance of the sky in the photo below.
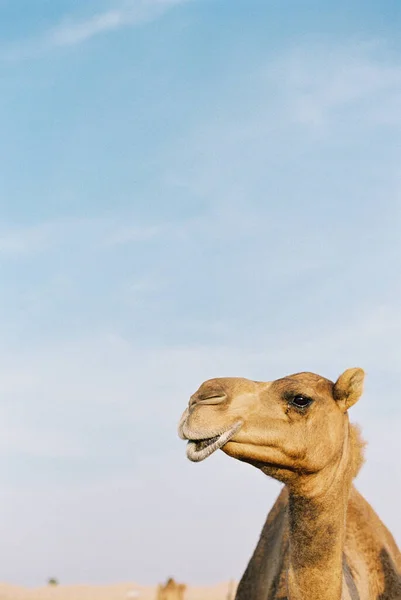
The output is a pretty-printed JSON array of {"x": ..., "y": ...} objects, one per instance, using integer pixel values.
[{"x": 188, "y": 189}]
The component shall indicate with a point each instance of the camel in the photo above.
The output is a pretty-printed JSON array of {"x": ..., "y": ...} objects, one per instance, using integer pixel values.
[
  {"x": 171, "y": 591},
  {"x": 321, "y": 540}
]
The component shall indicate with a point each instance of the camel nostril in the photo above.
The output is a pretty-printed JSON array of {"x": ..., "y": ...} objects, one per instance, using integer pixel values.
[{"x": 215, "y": 399}]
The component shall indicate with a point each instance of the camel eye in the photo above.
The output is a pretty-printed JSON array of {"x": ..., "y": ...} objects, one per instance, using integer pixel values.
[{"x": 301, "y": 401}]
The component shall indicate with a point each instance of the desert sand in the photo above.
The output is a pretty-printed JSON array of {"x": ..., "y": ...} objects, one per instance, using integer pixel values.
[{"x": 123, "y": 591}]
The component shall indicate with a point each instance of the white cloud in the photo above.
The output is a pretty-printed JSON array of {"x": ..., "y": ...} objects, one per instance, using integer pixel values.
[
  {"x": 22, "y": 240},
  {"x": 73, "y": 32},
  {"x": 319, "y": 83},
  {"x": 16, "y": 241},
  {"x": 293, "y": 122}
]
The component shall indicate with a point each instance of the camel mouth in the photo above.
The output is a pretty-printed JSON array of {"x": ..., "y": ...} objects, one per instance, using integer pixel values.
[{"x": 199, "y": 449}]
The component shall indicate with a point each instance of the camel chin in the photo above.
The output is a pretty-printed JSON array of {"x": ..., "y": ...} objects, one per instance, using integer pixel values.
[{"x": 200, "y": 449}]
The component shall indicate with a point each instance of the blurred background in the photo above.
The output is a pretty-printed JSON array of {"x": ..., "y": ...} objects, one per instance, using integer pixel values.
[{"x": 188, "y": 189}]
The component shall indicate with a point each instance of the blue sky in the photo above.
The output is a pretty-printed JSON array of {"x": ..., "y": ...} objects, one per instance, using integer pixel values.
[{"x": 188, "y": 189}]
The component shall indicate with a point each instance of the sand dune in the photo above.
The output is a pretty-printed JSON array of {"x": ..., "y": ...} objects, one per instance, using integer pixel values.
[{"x": 123, "y": 591}]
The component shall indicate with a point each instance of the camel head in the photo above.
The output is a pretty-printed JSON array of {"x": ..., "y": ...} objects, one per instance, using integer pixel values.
[{"x": 290, "y": 426}]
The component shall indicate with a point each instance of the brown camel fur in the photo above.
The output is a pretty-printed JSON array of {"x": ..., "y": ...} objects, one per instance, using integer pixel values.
[
  {"x": 321, "y": 540},
  {"x": 171, "y": 591}
]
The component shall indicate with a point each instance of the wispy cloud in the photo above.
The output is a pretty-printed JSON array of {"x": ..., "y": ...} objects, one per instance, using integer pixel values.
[
  {"x": 17, "y": 241},
  {"x": 72, "y": 31},
  {"x": 318, "y": 84},
  {"x": 25, "y": 240},
  {"x": 317, "y": 97}
]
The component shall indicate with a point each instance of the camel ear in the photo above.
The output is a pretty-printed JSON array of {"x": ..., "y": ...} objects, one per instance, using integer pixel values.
[{"x": 348, "y": 388}]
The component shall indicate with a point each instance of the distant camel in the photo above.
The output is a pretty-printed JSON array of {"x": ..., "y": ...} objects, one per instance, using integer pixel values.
[
  {"x": 171, "y": 591},
  {"x": 321, "y": 540}
]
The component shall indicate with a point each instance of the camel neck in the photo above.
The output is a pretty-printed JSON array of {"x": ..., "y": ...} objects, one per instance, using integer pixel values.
[{"x": 317, "y": 518}]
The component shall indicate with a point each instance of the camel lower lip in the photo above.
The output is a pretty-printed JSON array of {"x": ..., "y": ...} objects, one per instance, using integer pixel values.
[
  {"x": 198, "y": 450},
  {"x": 202, "y": 444}
]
